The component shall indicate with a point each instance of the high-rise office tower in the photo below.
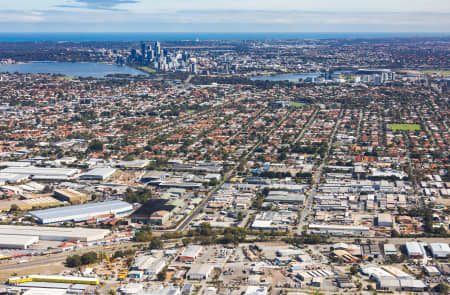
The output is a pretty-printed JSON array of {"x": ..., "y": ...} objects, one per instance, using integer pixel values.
[{"x": 158, "y": 48}]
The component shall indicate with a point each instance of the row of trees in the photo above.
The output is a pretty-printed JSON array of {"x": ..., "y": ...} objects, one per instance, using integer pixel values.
[{"x": 85, "y": 259}]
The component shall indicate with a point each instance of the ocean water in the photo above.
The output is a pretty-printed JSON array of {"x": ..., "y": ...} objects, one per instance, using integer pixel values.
[
  {"x": 72, "y": 69},
  {"x": 81, "y": 37}
]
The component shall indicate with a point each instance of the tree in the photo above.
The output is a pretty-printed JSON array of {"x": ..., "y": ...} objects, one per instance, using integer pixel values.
[
  {"x": 73, "y": 261},
  {"x": 156, "y": 243},
  {"x": 143, "y": 236},
  {"x": 205, "y": 229},
  {"x": 162, "y": 275},
  {"x": 89, "y": 258},
  {"x": 95, "y": 146},
  {"x": 139, "y": 196},
  {"x": 186, "y": 241}
]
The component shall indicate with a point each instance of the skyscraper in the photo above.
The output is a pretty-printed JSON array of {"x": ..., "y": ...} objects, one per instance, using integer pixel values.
[{"x": 158, "y": 48}]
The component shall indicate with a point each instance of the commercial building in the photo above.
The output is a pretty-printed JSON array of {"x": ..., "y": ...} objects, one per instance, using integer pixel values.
[
  {"x": 384, "y": 219},
  {"x": 431, "y": 271},
  {"x": 338, "y": 230},
  {"x": 81, "y": 213},
  {"x": 55, "y": 233},
  {"x": 439, "y": 250},
  {"x": 200, "y": 272},
  {"x": 390, "y": 249},
  {"x": 190, "y": 253},
  {"x": 17, "y": 242},
  {"x": 99, "y": 174},
  {"x": 415, "y": 249}
]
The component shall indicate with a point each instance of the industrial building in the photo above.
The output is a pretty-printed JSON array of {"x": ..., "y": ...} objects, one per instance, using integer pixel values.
[
  {"x": 285, "y": 197},
  {"x": 99, "y": 174},
  {"x": 384, "y": 219},
  {"x": 40, "y": 173},
  {"x": 415, "y": 249},
  {"x": 81, "y": 213},
  {"x": 156, "y": 211},
  {"x": 134, "y": 164},
  {"x": 200, "y": 272},
  {"x": 55, "y": 233},
  {"x": 154, "y": 176},
  {"x": 12, "y": 178},
  {"x": 190, "y": 253},
  {"x": 439, "y": 250},
  {"x": 17, "y": 242},
  {"x": 390, "y": 249},
  {"x": 70, "y": 195},
  {"x": 339, "y": 230}
]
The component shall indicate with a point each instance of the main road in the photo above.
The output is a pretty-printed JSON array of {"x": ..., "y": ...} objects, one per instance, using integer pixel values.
[{"x": 316, "y": 178}]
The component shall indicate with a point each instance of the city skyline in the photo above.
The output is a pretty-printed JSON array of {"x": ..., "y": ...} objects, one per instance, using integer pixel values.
[{"x": 232, "y": 16}]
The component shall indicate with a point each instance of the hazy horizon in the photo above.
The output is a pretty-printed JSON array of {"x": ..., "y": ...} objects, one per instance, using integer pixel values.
[{"x": 231, "y": 16}]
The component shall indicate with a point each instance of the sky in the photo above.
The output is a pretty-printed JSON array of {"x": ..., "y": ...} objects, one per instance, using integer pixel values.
[{"x": 225, "y": 16}]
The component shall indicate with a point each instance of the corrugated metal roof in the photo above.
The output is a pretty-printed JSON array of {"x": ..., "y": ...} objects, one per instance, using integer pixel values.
[{"x": 81, "y": 211}]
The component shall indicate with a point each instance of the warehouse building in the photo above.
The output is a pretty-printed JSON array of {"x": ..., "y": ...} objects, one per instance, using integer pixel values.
[
  {"x": 384, "y": 219},
  {"x": 55, "y": 233},
  {"x": 99, "y": 174},
  {"x": 81, "y": 213},
  {"x": 154, "y": 176},
  {"x": 135, "y": 164},
  {"x": 39, "y": 173},
  {"x": 190, "y": 253},
  {"x": 17, "y": 242},
  {"x": 439, "y": 250},
  {"x": 70, "y": 195},
  {"x": 339, "y": 230},
  {"x": 415, "y": 249},
  {"x": 12, "y": 178},
  {"x": 200, "y": 272},
  {"x": 390, "y": 249},
  {"x": 285, "y": 197}
]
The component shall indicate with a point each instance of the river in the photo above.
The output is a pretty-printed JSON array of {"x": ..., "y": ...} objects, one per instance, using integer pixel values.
[{"x": 71, "y": 69}]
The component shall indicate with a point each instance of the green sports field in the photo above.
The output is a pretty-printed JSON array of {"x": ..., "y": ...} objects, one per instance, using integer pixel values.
[
  {"x": 296, "y": 104},
  {"x": 405, "y": 127}
]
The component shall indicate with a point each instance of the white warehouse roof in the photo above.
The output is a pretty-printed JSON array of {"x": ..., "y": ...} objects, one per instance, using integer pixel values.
[
  {"x": 98, "y": 173},
  {"x": 42, "y": 172},
  {"x": 81, "y": 212},
  {"x": 440, "y": 249},
  {"x": 17, "y": 242},
  {"x": 55, "y": 233}
]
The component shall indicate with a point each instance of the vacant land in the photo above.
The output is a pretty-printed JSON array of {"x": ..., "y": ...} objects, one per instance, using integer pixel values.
[{"x": 405, "y": 127}]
